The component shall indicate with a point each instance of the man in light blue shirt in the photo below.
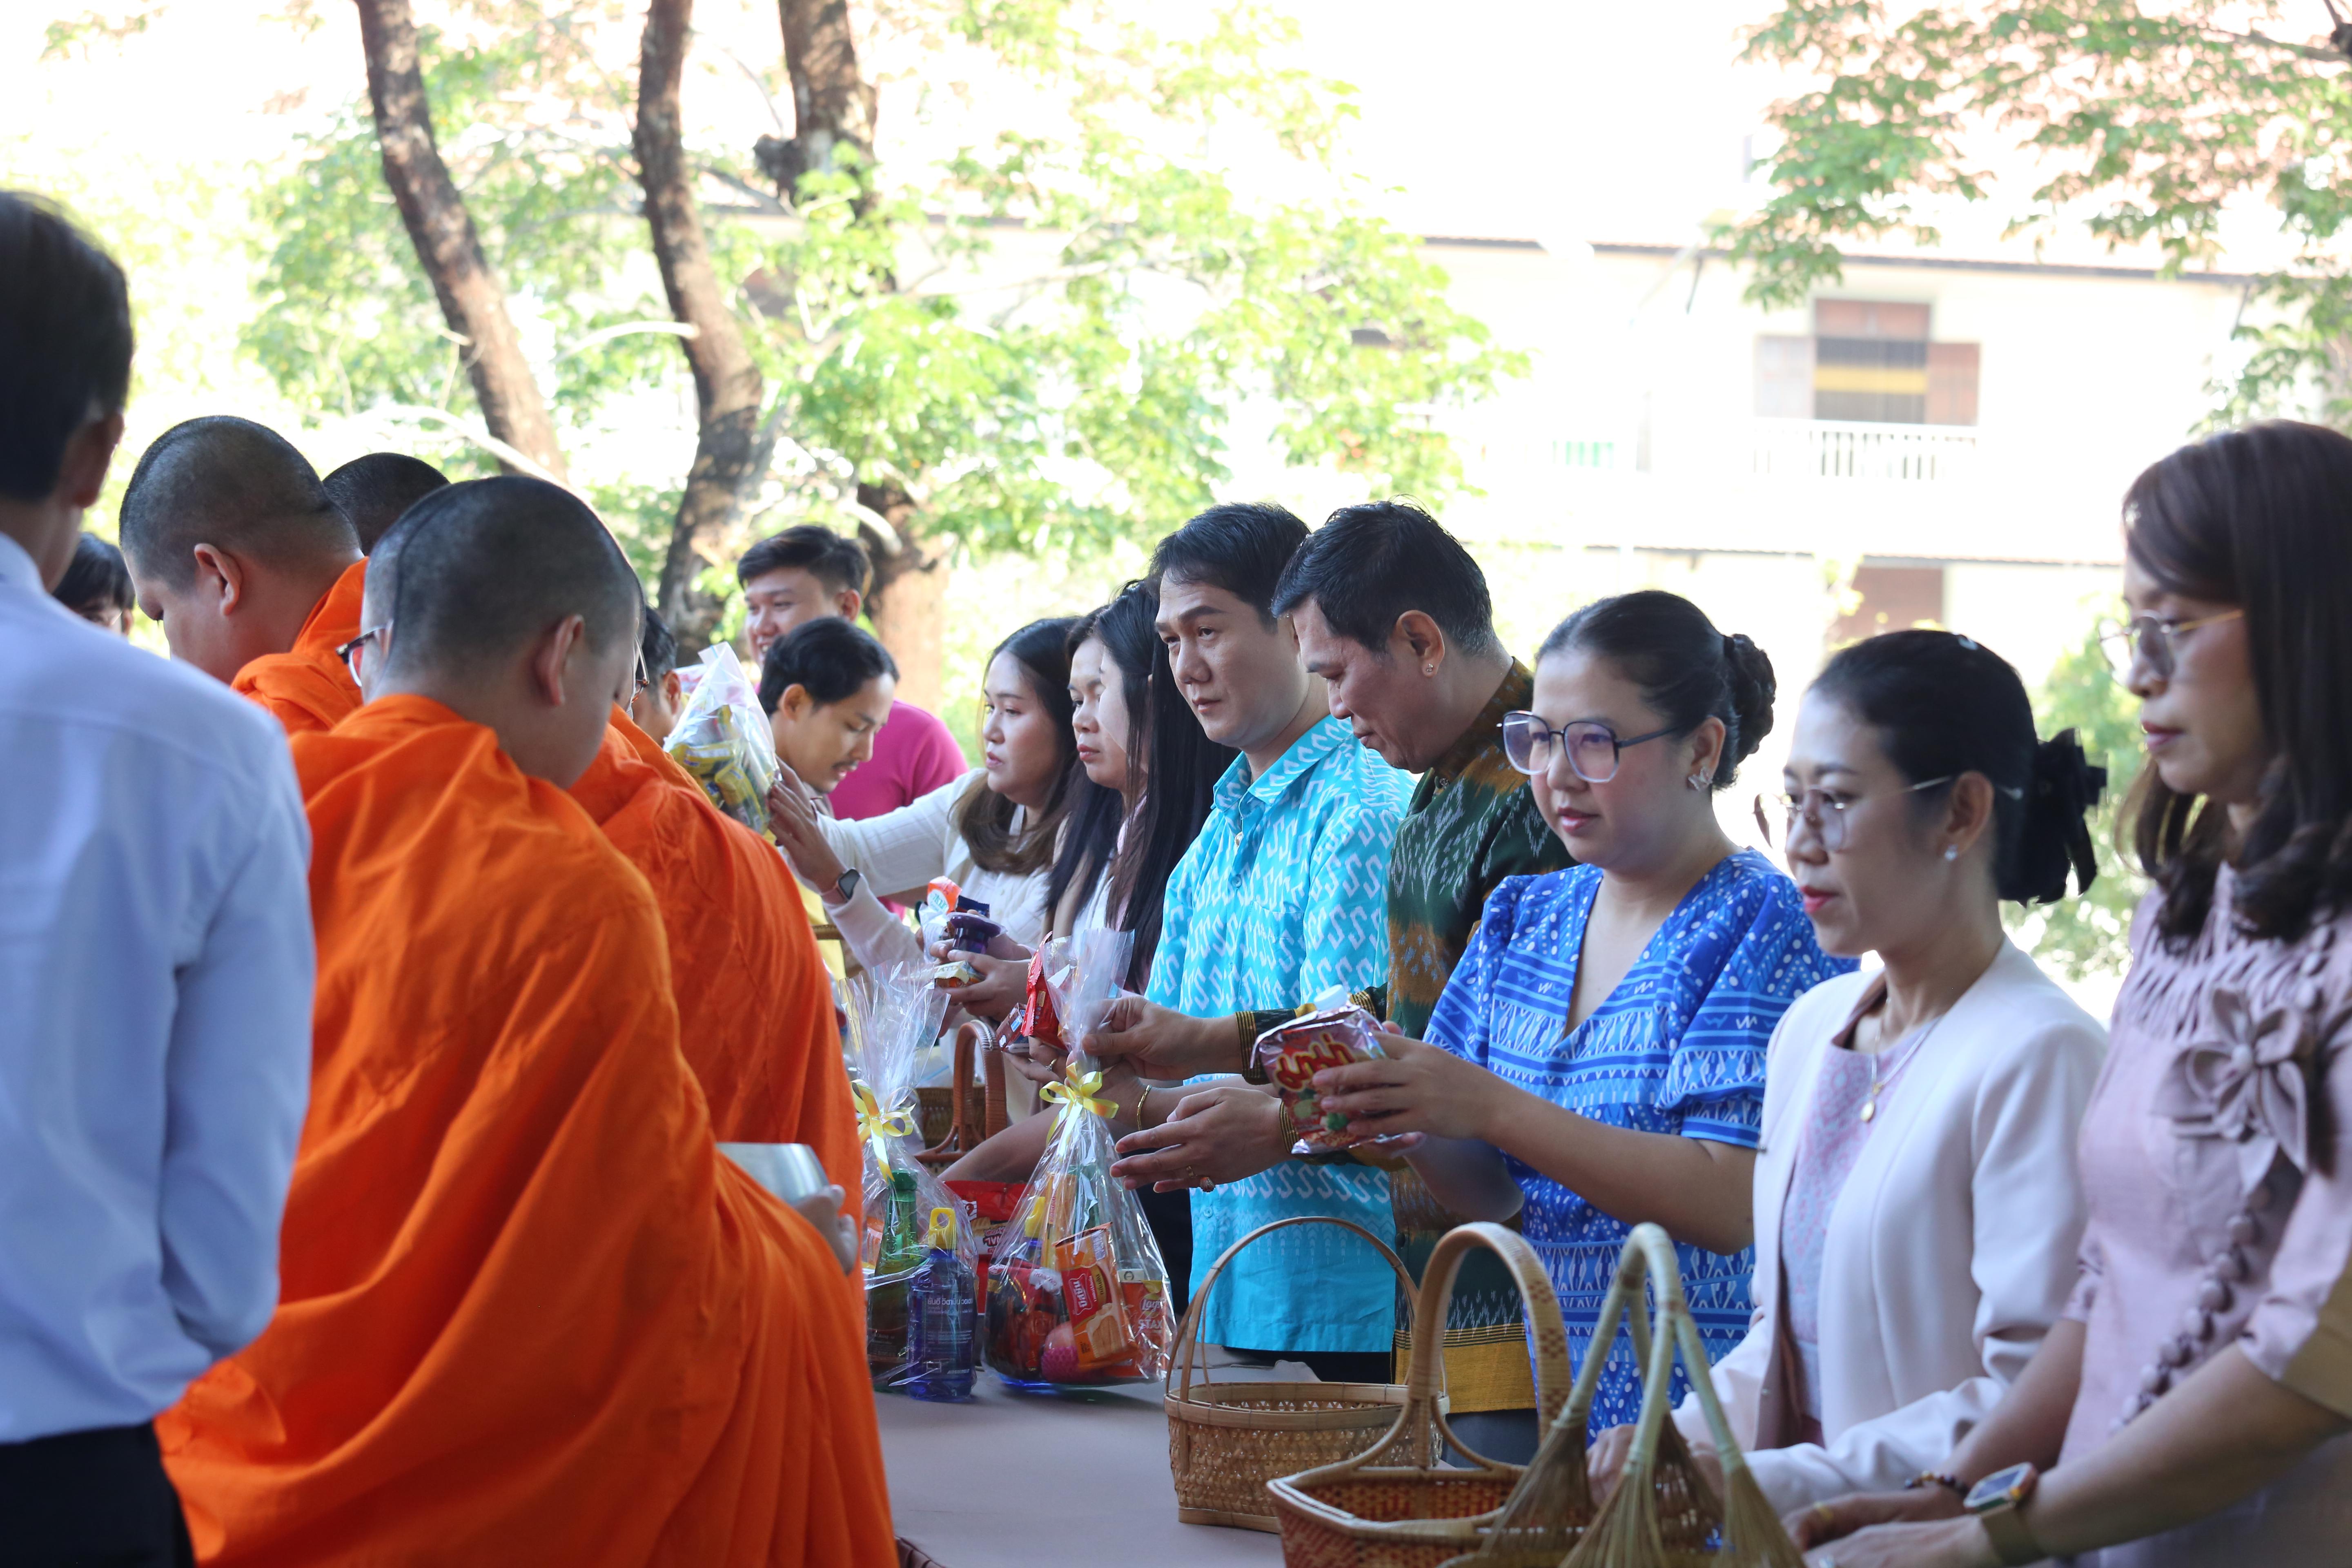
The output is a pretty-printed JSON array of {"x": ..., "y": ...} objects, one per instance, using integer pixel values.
[
  {"x": 156, "y": 970},
  {"x": 1282, "y": 895}
]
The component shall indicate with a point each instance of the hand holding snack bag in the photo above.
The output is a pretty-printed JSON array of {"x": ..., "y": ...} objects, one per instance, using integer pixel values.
[
  {"x": 722, "y": 737},
  {"x": 893, "y": 1015},
  {"x": 1078, "y": 1295},
  {"x": 1290, "y": 1054}
]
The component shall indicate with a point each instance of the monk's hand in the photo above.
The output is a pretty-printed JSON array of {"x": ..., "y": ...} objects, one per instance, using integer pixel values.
[
  {"x": 792, "y": 819},
  {"x": 1826, "y": 1522},
  {"x": 1160, "y": 1042},
  {"x": 1219, "y": 1133},
  {"x": 1415, "y": 1087},
  {"x": 1604, "y": 1462},
  {"x": 824, "y": 1211}
]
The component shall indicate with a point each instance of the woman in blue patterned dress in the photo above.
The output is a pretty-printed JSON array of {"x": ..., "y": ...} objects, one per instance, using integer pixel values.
[{"x": 1598, "y": 1057}]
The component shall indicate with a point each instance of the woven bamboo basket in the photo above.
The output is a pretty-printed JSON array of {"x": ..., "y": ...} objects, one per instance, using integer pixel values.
[
  {"x": 1662, "y": 1514},
  {"x": 1395, "y": 1505},
  {"x": 1225, "y": 1441}
]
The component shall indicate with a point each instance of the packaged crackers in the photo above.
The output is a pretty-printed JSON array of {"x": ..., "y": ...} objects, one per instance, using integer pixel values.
[{"x": 1291, "y": 1054}]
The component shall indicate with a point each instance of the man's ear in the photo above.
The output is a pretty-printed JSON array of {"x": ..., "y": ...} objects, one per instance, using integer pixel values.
[
  {"x": 847, "y": 603},
  {"x": 552, "y": 658},
  {"x": 89, "y": 451},
  {"x": 672, "y": 688},
  {"x": 220, "y": 571},
  {"x": 1419, "y": 640}
]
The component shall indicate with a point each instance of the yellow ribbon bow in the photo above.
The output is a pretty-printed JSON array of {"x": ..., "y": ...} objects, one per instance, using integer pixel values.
[
  {"x": 878, "y": 1126},
  {"x": 1078, "y": 1088}
]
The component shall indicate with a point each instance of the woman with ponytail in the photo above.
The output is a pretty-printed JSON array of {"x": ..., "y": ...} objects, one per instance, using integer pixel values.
[
  {"x": 2192, "y": 1407},
  {"x": 1917, "y": 1205},
  {"x": 1597, "y": 1058}
]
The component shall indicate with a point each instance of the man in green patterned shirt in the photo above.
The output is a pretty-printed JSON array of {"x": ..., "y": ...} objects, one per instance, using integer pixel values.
[{"x": 1394, "y": 616}]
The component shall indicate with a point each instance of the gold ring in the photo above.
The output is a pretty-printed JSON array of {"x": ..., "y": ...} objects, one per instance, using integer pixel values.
[{"x": 1827, "y": 1515}]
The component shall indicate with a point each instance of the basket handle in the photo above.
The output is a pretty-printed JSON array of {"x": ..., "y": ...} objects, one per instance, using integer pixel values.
[
  {"x": 1526, "y": 1271},
  {"x": 1649, "y": 1252},
  {"x": 1186, "y": 1350}
]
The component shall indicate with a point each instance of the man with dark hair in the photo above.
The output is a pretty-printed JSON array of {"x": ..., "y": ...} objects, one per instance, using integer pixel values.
[
  {"x": 800, "y": 575},
  {"x": 155, "y": 978},
  {"x": 256, "y": 577},
  {"x": 504, "y": 1141},
  {"x": 653, "y": 707},
  {"x": 97, "y": 587},
  {"x": 1278, "y": 899},
  {"x": 1394, "y": 616},
  {"x": 372, "y": 491}
]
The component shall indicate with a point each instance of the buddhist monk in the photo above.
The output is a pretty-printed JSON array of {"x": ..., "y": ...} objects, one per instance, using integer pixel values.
[
  {"x": 372, "y": 491},
  {"x": 529, "y": 1315},
  {"x": 256, "y": 576}
]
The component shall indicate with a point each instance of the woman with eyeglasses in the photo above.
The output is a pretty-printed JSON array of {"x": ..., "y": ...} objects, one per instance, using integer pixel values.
[
  {"x": 1917, "y": 1205},
  {"x": 2193, "y": 1406},
  {"x": 1597, "y": 1060}
]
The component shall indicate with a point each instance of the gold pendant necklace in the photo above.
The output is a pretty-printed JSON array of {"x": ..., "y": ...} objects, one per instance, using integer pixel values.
[{"x": 1869, "y": 1105}]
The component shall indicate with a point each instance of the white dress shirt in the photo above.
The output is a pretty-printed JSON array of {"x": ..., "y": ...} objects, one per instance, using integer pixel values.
[{"x": 156, "y": 959}]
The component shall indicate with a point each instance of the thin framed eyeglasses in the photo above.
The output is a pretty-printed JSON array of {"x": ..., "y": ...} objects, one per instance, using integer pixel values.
[
  {"x": 2153, "y": 638},
  {"x": 351, "y": 653},
  {"x": 642, "y": 683},
  {"x": 1593, "y": 747},
  {"x": 1828, "y": 816}
]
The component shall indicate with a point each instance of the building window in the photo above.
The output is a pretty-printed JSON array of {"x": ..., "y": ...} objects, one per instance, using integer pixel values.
[
  {"x": 1891, "y": 599},
  {"x": 1868, "y": 362}
]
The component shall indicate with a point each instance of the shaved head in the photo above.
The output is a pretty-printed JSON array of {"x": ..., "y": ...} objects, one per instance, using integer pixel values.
[
  {"x": 476, "y": 573},
  {"x": 373, "y": 491},
  {"x": 231, "y": 484}
]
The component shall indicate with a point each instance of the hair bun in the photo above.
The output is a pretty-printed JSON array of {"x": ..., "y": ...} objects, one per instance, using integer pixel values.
[
  {"x": 2066, "y": 788},
  {"x": 1752, "y": 690}
]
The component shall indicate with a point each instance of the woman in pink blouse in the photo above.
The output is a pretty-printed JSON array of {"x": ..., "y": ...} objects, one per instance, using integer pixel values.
[{"x": 2193, "y": 1406}]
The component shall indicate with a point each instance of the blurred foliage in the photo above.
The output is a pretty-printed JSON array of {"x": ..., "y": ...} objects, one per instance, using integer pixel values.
[
  {"x": 2089, "y": 935},
  {"x": 2150, "y": 121},
  {"x": 1053, "y": 414}
]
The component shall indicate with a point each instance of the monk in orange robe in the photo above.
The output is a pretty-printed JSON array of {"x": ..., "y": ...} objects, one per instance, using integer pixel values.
[
  {"x": 528, "y": 1313},
  {"x": 754, "y": 1003}
]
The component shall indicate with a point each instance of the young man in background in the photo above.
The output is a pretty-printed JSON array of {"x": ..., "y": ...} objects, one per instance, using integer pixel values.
[{"x": 808, "y": 571}]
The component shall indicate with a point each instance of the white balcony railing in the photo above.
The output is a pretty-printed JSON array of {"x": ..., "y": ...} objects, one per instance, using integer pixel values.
[{"x": 1843, "y": 449}]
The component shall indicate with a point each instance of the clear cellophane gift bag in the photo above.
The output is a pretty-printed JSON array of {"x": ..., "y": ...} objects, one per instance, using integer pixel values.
[
  {"x": 722, "y": 737},
  {"x": 893, "y": 1014},
  {"x": 1077, "y": 1296}
]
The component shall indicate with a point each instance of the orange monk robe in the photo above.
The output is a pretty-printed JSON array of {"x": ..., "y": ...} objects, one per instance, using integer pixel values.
[
  {"x": 308, "y": 687},
  {"x": 754, "y": 1007},
  {"x": 527, "y": 1314}
]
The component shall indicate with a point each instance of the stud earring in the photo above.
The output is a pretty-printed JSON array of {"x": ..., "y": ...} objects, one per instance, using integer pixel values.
[
  {"x": 1951, "y": 851},
  {"x": 1699, "y": 781},
  {"x": 1429, "y": 670}
]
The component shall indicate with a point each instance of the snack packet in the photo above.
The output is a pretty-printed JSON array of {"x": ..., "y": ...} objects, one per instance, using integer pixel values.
[
  {"x": 1292, "y": 1053},
  {"x": 893, "y": 1015},
  {"x": 722, "y": 737},
  {"x": 1077, "y": 1295}
]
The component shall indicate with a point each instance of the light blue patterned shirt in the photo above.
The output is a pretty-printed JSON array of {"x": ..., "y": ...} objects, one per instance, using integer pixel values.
[
  {"x": 1677, "y": 1047},
  {"x": 1284, "y": 894}
]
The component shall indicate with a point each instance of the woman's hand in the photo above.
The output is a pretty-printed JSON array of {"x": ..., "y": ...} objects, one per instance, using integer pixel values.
[
  {"x": 1219, "y": 1133},
  {"x": 794, "y": 820},
  {"x": 823, "y": 1210},
  {"x": 1160, "y": 1042},
  {"x": 1001, "y": 986},
  {"x": 1416, "y": 1087},
  {"x": 1604, "y": 1462},
  {"x": 1944, "y": 1544},
  {"x": 1827, "y": 1521}
]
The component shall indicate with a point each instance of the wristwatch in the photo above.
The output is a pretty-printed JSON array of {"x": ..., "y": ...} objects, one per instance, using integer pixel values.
[
  {"x": 1996, "y": 1501},
  {"x": 844, "y": 887}
]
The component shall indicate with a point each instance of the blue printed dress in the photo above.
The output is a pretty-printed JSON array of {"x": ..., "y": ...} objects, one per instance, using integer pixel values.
[
  {"x": 1284, "y": 894},
  {"x": 1677, "y": 1047}
]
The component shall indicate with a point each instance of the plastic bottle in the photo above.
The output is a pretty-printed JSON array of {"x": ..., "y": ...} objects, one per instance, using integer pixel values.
[
  {"x": 939, "y": 1318},
  {"x": 886, "y": 1291}
]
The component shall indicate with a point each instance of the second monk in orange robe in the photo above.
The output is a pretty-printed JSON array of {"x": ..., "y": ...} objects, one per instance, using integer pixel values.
[{"x": 528, "y": 1313}]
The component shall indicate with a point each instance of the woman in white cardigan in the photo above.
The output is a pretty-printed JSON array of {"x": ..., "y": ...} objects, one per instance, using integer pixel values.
[
  {"x": 1916, "y": 1203},
  {"x": 992, "y": 832}
]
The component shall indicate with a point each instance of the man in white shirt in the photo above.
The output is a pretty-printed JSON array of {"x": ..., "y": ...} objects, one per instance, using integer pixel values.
[{"x": 156, "y": 970}]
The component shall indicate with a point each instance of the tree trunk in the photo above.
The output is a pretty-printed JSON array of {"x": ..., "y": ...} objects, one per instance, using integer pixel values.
[
  {"x": 472, "y": 301},
  {"x": 908, "y": 599},
  {"x": 834, "y": 106},
  {"x": 730, "y": 456}
]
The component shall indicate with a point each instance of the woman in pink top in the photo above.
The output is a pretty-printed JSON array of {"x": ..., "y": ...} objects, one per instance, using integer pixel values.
[{"x": 2193, "y": 1408}]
